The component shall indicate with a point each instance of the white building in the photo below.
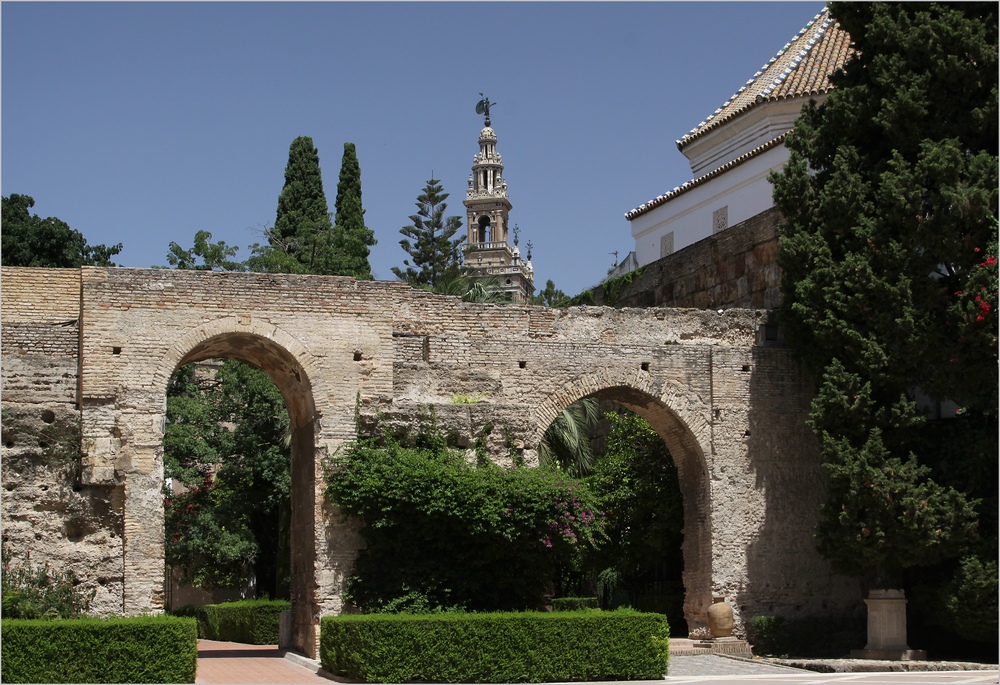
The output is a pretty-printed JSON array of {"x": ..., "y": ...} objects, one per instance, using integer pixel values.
[{"x": 733, "y": 150}]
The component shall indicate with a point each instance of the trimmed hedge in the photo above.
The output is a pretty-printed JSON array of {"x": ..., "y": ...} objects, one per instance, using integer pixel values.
[
  {"x": 142, "y": 649},
  {"x": 807, "y": 636},
  {"x": 496, "y": 648},
  {"x": 251, "y": 621},
  {"x": 574, "y": 603}
]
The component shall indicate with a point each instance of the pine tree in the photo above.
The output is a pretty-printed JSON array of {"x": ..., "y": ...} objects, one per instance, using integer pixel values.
[
  {"x": 434, "y": 251},
  {"x": 301, "y": 240},
  {"x": 352, "y": 240},
  {"x": 888, "y": 251}
]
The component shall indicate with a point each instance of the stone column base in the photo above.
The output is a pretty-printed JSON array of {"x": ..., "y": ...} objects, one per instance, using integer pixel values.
[{"x": 902, "y": 654}]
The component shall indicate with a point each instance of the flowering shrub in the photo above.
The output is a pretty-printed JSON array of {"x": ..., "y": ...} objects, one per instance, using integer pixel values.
[
  {"x": 445, "y": 533},
  {"x": 39, "y": 592},
  {"x": 974, "y": 313}
]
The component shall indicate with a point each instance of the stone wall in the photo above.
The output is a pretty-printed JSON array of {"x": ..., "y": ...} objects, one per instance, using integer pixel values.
[
  {"x": 730, "y": 411},
  {"x": 735, "y": 268},
  {"x": 48, "y": 513}
]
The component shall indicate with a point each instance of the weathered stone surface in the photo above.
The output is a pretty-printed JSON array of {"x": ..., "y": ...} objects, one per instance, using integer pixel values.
[
  {"x": 735, "y": 268},
  {"x": 731, "y": 412}
]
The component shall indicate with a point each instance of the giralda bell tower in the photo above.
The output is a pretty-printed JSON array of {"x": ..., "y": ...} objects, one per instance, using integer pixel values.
[{"x": 487, "y": 250}]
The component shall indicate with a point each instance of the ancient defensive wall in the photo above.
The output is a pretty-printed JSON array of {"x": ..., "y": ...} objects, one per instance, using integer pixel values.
[{"x": 87, "y": 354}]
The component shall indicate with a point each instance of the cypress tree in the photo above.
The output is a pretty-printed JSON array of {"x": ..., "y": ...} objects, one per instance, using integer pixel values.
[
  {"x": 888, "y": 251},
  {"x": 434, "y": 251},
  {"x": 352, "y": 240},
  {"x": 302, "y": 238}
]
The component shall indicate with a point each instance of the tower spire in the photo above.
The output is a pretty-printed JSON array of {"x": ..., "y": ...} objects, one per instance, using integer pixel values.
[{"x": 487, "y": 251}]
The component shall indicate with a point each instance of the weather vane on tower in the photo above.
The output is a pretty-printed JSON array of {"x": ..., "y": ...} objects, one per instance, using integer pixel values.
[{"x": 483, "y": 107}]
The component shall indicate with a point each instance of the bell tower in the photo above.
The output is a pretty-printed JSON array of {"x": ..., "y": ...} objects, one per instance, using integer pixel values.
[{"x": 487, "y": 250}]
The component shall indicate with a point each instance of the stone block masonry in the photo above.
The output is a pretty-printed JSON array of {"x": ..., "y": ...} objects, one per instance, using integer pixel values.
[
  {"x": 735, "y": 268},
  {"x": 87, "y": 355}
]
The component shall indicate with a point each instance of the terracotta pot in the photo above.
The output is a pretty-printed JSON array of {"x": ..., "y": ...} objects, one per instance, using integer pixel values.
[{"x": 720, "y": 618}]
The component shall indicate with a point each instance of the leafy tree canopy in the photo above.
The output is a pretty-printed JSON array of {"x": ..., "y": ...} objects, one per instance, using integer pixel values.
[
  {"x": 29, "y": 240},
  {"x": 636, "y": 484},
  {"x": 889, "y": 258},
  {"x": 215, "y": 256},
  {"x": 226, "y": 441},
  {"x": 551, "y": 296}
]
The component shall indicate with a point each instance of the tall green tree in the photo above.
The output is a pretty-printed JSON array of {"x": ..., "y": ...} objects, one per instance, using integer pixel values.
[
  {"x": 889, "y": 257},
  {"x": 29, "y": 240},
  {"x": 435, "y": 254},
  {"x": 301, "y": 240},
  {"x": 226, "y": 442},
  {"x": 352, "y": 240},
  {"x": 635, "y": 481}
]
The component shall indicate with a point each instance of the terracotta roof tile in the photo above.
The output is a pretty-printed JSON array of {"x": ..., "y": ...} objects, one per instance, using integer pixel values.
[{"x": 800, "y": 69}]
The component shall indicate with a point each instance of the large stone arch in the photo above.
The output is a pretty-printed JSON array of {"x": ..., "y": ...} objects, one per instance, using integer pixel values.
[
  {"x": 681, "y": 424},
  {"x": 294, "y": 371}
]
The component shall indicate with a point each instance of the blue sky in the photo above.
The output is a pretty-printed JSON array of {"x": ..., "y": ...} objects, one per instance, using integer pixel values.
[{"x": 142, "y": 123}]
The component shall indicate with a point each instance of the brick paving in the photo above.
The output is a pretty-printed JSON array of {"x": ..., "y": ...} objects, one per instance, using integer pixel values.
[{"x": 223, "y": 663}]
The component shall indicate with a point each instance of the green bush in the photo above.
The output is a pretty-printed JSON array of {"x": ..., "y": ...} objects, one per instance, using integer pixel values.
[
  {"x": 474, "y": 536},
  {"x": 143, "y": 649},
  {"x": 574, "y": 603},
  {"x": 496, "y": 648},
  {"x": 251, "y": 621},
  {"x": 39, "y": 592},
  {"x": 809, "y": 636}
]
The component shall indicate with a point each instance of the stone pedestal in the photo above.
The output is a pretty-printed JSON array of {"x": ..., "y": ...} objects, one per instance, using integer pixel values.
[
  {"x": 285, "y": 630},
  {"x": 887, "y": 629}
]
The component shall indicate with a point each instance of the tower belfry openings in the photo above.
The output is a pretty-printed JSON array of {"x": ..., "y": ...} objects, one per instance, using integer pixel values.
[{"x": 487, "y": 250}]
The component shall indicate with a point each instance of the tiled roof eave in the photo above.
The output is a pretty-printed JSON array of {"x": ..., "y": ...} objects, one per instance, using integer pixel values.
[
  {"x": 691, "y": 137},
  {"x": 701, "y": 180}
]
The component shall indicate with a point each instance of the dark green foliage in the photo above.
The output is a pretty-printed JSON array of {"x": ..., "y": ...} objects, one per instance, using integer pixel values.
[
  {"x": 531, "y": 647},
  {"x": 889, "y": 259},
  {"x": 574, "y": 603},
  {"x": 250, "y": 621},
  {"x": 215, "y": 256},
  {"x": 39, "y": 592},
  {"x": 477, "y": 537},
  {"x": 551, "y": 296},
  {"x": 301, "y": 240},
  {"x": 29, "y": 240},
  {"x": 582, "y": 299},
  {"x": 809, "y": 636},
  {"x": 434, "y": 251},
  {"x": 352, "y": 240},
  {"x": 145, "y": 649},
  {"x": 637, "y": 487},
  {"x": 235, "y": 422},
  {"x": 614, "y": 288},
  {"x": 566, "y": 443}
]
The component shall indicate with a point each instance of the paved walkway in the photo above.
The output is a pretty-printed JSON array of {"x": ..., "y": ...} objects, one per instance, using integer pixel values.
[
  {"x": 717, "y": 665},
  {"x": 227, "y": 663},
  {"x": 223, "y": 663}
]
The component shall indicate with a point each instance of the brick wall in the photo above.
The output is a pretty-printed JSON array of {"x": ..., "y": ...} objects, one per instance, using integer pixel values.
[{"x": 731, "y": 413}]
